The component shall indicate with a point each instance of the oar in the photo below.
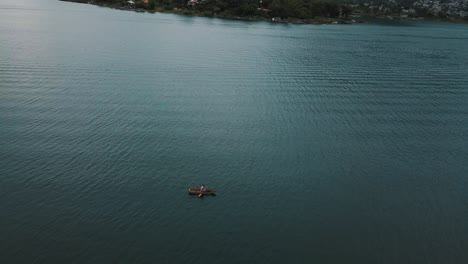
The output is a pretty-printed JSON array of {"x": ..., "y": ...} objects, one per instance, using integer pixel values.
[{"x": 200, "y": 195}]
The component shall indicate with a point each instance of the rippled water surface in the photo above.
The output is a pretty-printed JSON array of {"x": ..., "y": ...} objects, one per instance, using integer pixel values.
[{"x": 327, "y": 144}]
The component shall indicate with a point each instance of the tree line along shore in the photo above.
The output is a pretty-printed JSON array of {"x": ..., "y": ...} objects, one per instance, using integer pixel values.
[
  {"x": 290, "y": 11},
  {"x": 279, "y": 11}
]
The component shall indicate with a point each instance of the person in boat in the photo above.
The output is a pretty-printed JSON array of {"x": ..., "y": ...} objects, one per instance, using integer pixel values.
[{"x": 203, "y": 188}]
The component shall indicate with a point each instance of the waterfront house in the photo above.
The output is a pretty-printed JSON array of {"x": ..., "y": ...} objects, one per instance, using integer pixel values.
[{"x": 192, "y": 2}]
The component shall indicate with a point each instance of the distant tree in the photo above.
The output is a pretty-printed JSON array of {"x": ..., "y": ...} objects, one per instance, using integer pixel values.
[
  {"x": 277, "y": 8},
  {"x": 346, "y": 10},
  {"x": 152, "y": 4},
  {"x": 247, "y": 7}
]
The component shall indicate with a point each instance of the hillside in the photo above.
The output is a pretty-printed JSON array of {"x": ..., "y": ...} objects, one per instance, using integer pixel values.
[{"x": 300, "y": 11}]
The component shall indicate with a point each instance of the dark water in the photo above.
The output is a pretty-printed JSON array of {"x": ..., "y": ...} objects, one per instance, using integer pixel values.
[{"x": 327, "y": 144}]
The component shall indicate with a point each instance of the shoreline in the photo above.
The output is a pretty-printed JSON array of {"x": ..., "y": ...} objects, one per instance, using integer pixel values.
[
  {"x": 357, "y": 18},
  {"x": 189, "y": 12}
]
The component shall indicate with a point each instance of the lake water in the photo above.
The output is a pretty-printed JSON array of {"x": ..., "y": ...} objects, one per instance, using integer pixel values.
[{"x": 327, "y": 144}]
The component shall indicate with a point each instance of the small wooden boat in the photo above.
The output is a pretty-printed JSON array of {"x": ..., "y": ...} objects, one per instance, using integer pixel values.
[{"x": 196, "y": 191}]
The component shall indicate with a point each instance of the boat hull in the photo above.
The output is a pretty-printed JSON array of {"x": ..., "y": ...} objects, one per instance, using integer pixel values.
[{"x": 196, "y": 191}]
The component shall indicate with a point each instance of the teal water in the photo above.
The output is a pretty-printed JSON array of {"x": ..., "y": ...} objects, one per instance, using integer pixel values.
[{"x": 327, "y": 144}]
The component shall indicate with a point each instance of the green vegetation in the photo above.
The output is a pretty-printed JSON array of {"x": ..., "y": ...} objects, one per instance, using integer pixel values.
[
  {"x": 276, "y": 10},
  {"x": 299, "y": 11}
]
